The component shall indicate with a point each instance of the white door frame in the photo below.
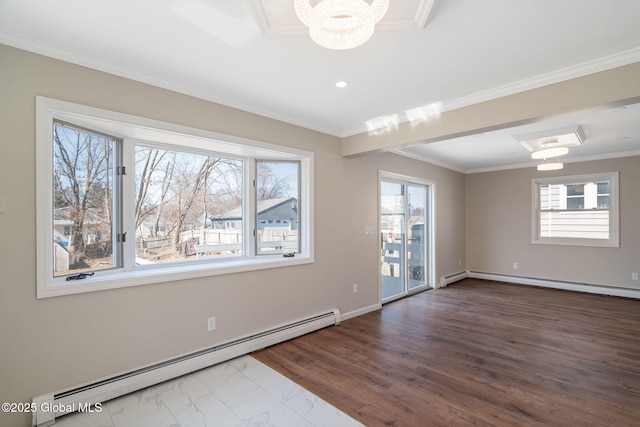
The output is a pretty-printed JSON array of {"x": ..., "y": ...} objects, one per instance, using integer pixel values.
[{"x": 430, "y": 230}]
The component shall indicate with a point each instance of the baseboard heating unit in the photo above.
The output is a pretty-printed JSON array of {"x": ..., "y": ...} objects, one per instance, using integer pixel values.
[
  {"x": 558, "y": 284},
  {"x": 447, "y": 280},
  {"x": 81, "y": 397}
]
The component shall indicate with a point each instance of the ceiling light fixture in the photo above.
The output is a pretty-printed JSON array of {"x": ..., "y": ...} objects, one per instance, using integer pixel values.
[
  {"x": 569, "y": 136},
  {"x": 341, "y": 24},
  {"x": 546, "y": 153},
  {"x": 550, "y": 149},
  {"x": 551, "y": 144},
  {"x": 342, "y": 84},
  {"x": 549, "y": 166}
]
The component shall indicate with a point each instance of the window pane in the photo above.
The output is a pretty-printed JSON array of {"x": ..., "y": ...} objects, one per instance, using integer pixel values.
[
  {"x": 82, "y": 200},
  {"x": 575, "y": 202},
  {"x": 603, "y": 187},
  {"x": 575, "y": 190},
  {"x": 277, "y": 206},
  {"x": 188, "y": 206},
  {"x": 580, "y": 225},
  {"x": 603, "y": 202},
  {"x": 416, "y": 243}
]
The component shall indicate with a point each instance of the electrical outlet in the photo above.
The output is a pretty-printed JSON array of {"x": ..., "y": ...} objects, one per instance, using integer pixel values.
[
  {"x": 515, "y": 265},
  {"x": 211, "y": 323},
  {"x": 355, "y": 288},
  {"x": 634, "y": 276}
]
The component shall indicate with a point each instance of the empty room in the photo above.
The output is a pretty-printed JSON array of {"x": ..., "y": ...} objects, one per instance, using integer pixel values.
[{"x": 319, "y": 213}]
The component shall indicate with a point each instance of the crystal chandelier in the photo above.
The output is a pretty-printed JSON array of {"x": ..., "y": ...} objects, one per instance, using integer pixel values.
[{"x": 341, "y": 24}]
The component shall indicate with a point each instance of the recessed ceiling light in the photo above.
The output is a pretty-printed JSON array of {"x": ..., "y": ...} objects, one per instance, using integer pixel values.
[{"x": 342, "y": 83}]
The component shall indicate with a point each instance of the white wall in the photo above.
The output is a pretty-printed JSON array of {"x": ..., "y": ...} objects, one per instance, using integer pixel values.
[{"x": 58, "y": 342}]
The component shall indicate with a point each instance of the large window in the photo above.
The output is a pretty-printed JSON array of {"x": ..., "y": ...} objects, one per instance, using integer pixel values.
[
  {"x": 576, "y": 210},
  {"x": 125, "y": 201}
]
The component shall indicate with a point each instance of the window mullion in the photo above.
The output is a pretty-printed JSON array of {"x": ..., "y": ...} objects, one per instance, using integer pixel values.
[
  {"x": 126, "y": 206},
  {"x": 249, "y": 208}
]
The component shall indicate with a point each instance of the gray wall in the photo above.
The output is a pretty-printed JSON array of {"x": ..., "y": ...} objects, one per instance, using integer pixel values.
[
  {"x": 59, "y": 342},
  {"x": 498, "y": 233}
]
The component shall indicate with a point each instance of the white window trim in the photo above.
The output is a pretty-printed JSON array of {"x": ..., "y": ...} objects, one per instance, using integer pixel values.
[
  {"x": 614, "y": 212},
  {"x": 137, "y": 128}
]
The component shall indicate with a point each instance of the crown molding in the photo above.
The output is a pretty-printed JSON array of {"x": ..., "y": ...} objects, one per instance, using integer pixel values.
[
  {"x": 22, "y": 43},
  {"x": 564, "y": 160},
  {"x": 260, "y": 16},
  {"x": 425, "y": 13},
  {"x": 590, "y": 67},
  {"x": 586, "y": 68},
  {"x": 427, "y": 159},
  {"x": 454, "y": 168}
]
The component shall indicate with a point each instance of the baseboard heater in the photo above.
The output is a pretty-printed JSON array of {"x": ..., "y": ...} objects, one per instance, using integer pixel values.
[
  {"x": 82, "y": 397},
  {"x": 558, "y": 284},
  {"x": 452, "y": 278}
]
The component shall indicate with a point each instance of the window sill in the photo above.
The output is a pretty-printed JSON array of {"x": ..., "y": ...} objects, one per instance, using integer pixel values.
[
  {"x": 147, "y": 276},
  {"x": 597, "y": 243}
]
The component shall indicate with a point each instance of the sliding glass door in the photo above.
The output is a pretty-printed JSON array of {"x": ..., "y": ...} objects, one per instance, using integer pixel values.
[{"x": 405, "y": 237}]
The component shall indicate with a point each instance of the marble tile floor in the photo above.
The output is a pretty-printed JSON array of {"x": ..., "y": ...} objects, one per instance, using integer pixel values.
[{"x": 241, "y": 392}]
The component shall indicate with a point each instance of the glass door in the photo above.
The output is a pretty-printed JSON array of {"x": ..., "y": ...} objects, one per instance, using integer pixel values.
[
  {"x": 416, "y": 236},
  {"x": 393, "y": 237},
  {"x": 404, "y": 238}
]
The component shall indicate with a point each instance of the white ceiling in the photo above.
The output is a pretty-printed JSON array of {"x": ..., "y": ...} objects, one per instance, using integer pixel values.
[{"x": 255, "y": 55}]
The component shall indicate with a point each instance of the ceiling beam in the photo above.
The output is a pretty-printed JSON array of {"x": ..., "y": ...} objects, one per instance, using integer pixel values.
[{"x": 613, "y": 87}]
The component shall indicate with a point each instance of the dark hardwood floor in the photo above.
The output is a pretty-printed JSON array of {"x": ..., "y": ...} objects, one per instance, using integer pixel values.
[{"x": 477, "y": 353}]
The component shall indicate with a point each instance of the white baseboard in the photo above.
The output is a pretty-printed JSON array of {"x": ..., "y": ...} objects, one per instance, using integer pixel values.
[
  {"x": 101, "y": 390},
  {"x": 360, "y": 311},
  {"x": 452, "y": 278},
  {"x": 569, "y": 286}
]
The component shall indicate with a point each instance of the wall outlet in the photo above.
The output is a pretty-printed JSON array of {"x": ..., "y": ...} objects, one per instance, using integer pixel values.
[
  {"x": 211, "y": 324},
  {"x": 355, "y": 288},
  {"x": 634, "y": 276},
  {"x": 515, "y": 265}
]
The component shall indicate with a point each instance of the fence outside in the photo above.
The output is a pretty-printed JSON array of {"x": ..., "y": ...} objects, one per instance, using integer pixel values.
[{"x": 216, "y": 242}]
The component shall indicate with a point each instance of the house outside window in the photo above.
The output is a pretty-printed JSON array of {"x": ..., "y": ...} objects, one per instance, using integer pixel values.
[
  {"x": 576, "y": 210},
  {"x": 124, "y": 201}
]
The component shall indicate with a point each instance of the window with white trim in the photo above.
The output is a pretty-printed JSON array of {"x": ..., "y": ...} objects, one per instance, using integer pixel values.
[
  {"x": 124, "y": 201},
  {"x": 576, "y": 210}
]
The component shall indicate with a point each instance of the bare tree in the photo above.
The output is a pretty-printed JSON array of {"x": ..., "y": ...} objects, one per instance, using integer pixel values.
[
  {"x": 192, "y": 186},
  {"x": 167, "y": 178},
  {"x": 269, "y": 184},
  {"x": 82, "y": 174},
  {"x": 179, "y": 189},
  {"x": 151, "y": 159}
]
